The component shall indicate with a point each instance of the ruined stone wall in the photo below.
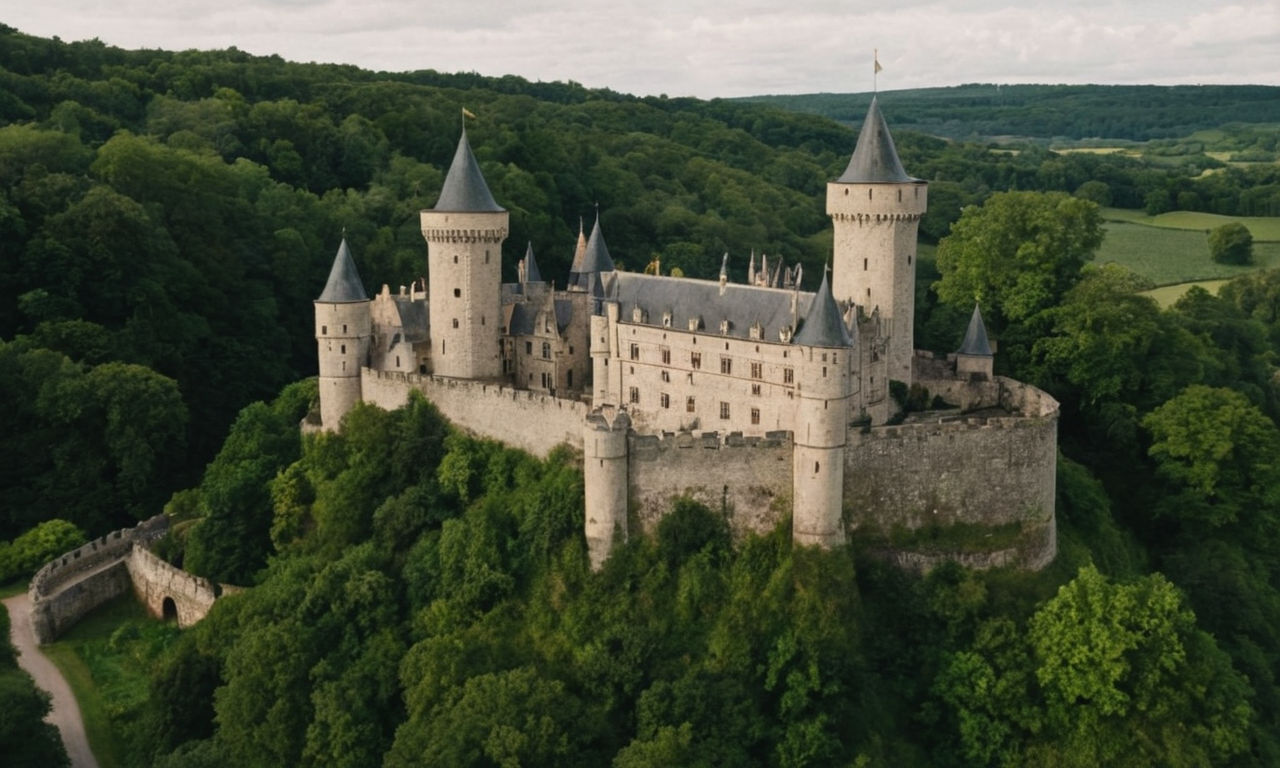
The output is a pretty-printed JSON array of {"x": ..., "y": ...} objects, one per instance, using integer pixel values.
[
  {"x": 154, "y": 580},
  {"x": 531, "y": 421},
  {"x": 957, "y": 475},
  {"x": 747, "y": 477},
  {"x": 70, "y": 586}
]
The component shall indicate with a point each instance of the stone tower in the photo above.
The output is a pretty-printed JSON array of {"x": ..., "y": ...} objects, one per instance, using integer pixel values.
[
  {"x": 464, "y": 235},
  {"x": 824, "y": 352},
  {"x": 604, "y": 477},
  {"x": 342, "y": 333},
  {"x": 875, "y": 209}
]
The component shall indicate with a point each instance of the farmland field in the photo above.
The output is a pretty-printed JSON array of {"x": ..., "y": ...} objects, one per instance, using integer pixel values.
[
  {"x": 1264, "y": 228},
  {"x": 1167, "y": 256},
  {"x": 1167, "y": 295}
]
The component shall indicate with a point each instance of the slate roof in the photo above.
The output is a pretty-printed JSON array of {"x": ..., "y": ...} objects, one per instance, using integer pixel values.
[
  {"x": 686, "y": 298},
  {"x": 875, "y": 158},
  {"x": 596, "y": 258},
  {"x": 579, "y": 252},
  {"x": 414, "y": 319},
  {"x": 524, "y": 317},
  {"x": 344, "y": 283},
  {"x": 975, "y": 336},
  {"x": 531, "y": 273},
  {"x": 823, "y": 324},
  {"x": 465, "y": 190}
]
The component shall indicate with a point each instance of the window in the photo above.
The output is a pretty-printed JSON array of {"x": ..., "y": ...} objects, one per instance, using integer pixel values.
[
  {"x": 397, "y": 361},
  {"x": 695, "y": 360},
  {"x": 635, "y": 351},
  {"x": 571, "y": 349},
  {"x": 755, "y": 416},
  {"x": 665, "y": 400},
  {"x": 528, "y": 347},
  {"x": 634, "y": 395},
  {"x": 457, "y": 293},
  {"x": 482, "y": 319},
  {"x": 824, "y": 371},
  {"x": 726, "y": 364},
  {"x": 666, "y": 355},
  {"x": 546, "y": 350},
  {"x": 344, "y": 329},
  {"x": 755, "y": 389},
  {"x": 864, "y": 265},
  {"x": 344, "y": 349},
  {"x": 569, "y": 379},
  {"x": 666, "y": 376},
  {"x": 757, "y": 370},
  {"x": 486, "y": 255},
  {"x": 689, "y": 404},
  {"x": 455, "y": 322},
  {"x": 455, "y": 258},
  {"x": 788, "y": 376},
  {"x": 545, "y": 382},
  {"x": 724, "y": 410},
  {"x": 324, "y": 330}
]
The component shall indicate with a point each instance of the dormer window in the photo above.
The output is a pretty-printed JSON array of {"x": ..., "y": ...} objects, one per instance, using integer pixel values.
[
  {"x": 695, "y": 322},
  {"x": 725, "y": 325},
  {"x": 784, "y": 334},
  {"x": 638, "y": 315},
  {"x": 666, "y": 319},
  {"x": 756, "y": 332}
]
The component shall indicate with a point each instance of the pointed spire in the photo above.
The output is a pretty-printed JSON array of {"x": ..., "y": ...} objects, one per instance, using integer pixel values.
[
  {"x": 823, "y": 326},
  {"x": 465, "y": 190},
  {"x": 596, "y": 257},
  {"x": 875, "y": 159},
  {"x": 975, "y": 337},
  {"x": 531, "y": 273},
  {"x": 344, "y": 285},
  {"x": 751, "y": 269},
  {"x": 724, "y": 267},
  {"x": 579, "y": 252}
]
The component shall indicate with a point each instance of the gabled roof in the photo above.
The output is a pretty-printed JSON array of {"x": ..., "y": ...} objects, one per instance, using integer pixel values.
[
  {"x": 465, "y": 190},
  {"x": 344, "y": 283},
  {"x": 823, "y": 325},
  {"x": 975, "y": 336},
  {"x": 705, "y": 303},
  {"x": 875, "y": 158},
  {"x": 531, "y": 273}
]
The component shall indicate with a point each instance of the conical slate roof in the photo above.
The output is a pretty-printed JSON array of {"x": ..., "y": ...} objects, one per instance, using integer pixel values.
[
  {"x": 875, "y": 158},
  {"x": 344, "y": 283},
  {"x": 596, "y": 258},
  {"x": 531, "y": 273},
  {"x": 579, "y": 251},
  {"x": 975, "y": 337},
  {"x": 823, "y": 326},
  {"x": 465, "y": 190}
]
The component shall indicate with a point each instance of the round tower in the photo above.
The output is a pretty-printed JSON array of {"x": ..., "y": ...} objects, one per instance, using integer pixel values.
[
  {"x": 343, "y": 332},
  {"x": 464, "y": 234},
  {"x": 604, "y": 476},
  {"x": 824, "y": 385},
  {"x": 875, "y": 208}
]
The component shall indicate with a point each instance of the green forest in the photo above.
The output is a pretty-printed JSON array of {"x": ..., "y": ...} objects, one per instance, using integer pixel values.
[{"x": 415, "y": 596}]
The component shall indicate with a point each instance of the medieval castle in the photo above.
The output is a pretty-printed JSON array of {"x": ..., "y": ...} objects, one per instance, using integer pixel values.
[{"x": 758, "y": 399}]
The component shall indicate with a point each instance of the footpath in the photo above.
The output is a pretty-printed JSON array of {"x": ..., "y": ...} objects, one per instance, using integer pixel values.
[{"x": 66, "y": 713}]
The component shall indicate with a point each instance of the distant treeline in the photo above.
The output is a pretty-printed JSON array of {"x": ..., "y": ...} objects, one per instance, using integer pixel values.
[{"x": 1135, "y": 112}]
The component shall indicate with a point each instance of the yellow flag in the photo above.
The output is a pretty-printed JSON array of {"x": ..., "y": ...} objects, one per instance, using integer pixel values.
[
  {"x": 468, "y": 113},
  {"x": 877, "y": 60}
]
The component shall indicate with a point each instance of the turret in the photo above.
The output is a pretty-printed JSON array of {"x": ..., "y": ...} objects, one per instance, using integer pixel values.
[
  {"x": 596, "y": 260},
  {"x": 824, "y": 355},
  {"x": 343, "y": 331},
  {"x": 974, "y": 359},
  {"x": 875, "y": 209},
  {"x": 604, "y": 475},
  {"x": 464, "y": 234}
]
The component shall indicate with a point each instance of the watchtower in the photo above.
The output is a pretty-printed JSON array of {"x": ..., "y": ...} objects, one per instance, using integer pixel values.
[
  {"x": 875, "y": 209},
  {"x": 343, "y": 331},
  {"x": 464, "y": 234}
]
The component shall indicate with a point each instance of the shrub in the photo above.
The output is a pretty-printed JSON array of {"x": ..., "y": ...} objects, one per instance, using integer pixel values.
[
  {"x": 1231, "y": 244},
  {"x": 36, "y": 547}
]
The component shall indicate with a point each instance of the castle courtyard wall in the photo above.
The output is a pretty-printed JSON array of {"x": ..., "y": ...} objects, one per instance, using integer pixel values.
[
  {"x": 531, "y": 421},
  {"x": 748, "y": 478},
  {"x": 155, "y": 580}
]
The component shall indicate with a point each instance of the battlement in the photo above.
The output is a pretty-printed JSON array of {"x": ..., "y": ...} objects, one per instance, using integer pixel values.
[
  {"x": 113, "y": 546},
  {"x": 647, "y": 447}
]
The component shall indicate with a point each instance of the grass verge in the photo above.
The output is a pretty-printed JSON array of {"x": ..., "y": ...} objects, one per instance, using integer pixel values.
[{"x": 13, "y": 588}]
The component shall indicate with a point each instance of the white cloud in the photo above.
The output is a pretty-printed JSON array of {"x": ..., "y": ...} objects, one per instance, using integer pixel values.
[{"x": 715, "y": 48}]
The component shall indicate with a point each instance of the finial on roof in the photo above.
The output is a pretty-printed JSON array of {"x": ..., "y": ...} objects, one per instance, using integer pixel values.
[
  {"x": 343, "y": 285},
  {"x": 823, "y": 326},
  {"x": 875, "y": 158},
  {"x": 975, "y": 336}
]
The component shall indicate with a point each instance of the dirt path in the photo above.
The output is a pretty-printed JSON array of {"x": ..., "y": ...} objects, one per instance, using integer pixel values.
[{"x": 66, "y": 713}]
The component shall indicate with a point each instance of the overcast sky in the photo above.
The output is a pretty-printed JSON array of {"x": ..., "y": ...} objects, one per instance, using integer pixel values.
[{"x": 712, "y": 48}]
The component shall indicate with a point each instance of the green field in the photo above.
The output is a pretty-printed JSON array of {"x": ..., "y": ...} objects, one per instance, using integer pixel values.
[
  {"x": 1168, "y": 295},
  {"x": 1263, "y": 228},
  {"x": 1167, "y": 256}
]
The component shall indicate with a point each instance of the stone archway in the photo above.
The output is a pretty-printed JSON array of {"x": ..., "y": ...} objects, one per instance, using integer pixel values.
[{"x": 169, "y": 610}]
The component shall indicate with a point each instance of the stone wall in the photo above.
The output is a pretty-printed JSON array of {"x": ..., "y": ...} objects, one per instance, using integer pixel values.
[
  {"x": 530, "y": 421},
  {"x": 747, "y": 477},
  {"x": 958, "y": 475},
  {"x": 155, "y": 580},
  {"x": 70, "y": 586}
]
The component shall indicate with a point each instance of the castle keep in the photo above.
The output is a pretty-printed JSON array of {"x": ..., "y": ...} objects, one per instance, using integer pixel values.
[{"x": 757, "y": 399}]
